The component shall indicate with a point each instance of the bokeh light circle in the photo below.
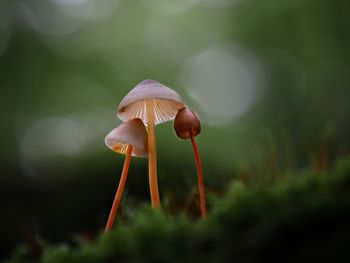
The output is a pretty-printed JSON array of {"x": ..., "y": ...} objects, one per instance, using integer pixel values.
[
  {"x": 52, "y": 136},
  {"x": 225, "y": 82},
  {"x": 170, "y": 7}
]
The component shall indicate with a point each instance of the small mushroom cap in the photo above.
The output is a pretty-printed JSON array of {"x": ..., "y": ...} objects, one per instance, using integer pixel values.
[
  {"x": 166, "y": 102},
  {"x": 128, "y": 133},
  {"x": 187, "y": 124}
]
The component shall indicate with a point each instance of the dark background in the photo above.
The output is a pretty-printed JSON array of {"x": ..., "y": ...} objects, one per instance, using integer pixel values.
[{"x": 269, "y": 80}]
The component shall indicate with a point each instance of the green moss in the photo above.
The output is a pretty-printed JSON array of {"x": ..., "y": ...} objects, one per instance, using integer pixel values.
[{"x": 300, "y": 217}]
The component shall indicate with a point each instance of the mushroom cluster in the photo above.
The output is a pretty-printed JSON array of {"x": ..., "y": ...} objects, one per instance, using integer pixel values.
[{"x": 147, "y": 105}]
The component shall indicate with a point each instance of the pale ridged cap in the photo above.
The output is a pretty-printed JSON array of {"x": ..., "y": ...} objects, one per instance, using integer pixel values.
[
  {"x": 128, "y": 133},
  {"x": 166, "y": 102}
]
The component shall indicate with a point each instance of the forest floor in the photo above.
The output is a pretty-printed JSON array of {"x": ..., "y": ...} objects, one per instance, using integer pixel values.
[{"x": 299, "y": 217}]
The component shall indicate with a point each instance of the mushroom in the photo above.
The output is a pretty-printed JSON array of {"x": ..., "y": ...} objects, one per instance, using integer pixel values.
[
  {"x": 129, "y": 138},
  {"x": 153, "y": 103},
  {"x": 187, "y": 126}
]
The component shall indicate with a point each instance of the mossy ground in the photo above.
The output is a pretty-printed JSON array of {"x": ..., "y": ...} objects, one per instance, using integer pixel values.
[{"x": 300, "y": 217}]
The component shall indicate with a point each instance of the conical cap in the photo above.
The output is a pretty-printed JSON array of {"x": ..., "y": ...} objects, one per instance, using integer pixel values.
[
  {"x": 166, "y": 102},
  {"x": 128, "y": 133}
]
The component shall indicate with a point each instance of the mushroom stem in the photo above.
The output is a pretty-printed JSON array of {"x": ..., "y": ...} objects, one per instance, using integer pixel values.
[
  {"x": 152, "y": 155},
  {"x": 119, "y": 194},
  {"x": 200, "y": 179}
]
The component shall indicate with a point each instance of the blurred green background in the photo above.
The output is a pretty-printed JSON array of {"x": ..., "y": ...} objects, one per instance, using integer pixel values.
[{"x": 269, "y": 80}]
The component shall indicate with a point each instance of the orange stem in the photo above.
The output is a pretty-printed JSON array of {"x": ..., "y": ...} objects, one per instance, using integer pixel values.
[
  {"x": 200, "y": 179},
  {"x": 152, "y": 156},
  {"x": 119, "y": 194}
]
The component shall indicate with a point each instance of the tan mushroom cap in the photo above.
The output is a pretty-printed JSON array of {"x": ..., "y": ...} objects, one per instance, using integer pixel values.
[
  {"x": 128, "y": 133},
  {"x": 166, "y": 102}
]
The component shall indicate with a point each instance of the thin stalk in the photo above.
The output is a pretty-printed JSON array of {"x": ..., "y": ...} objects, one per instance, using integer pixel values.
[
  {"x": 203, "y": 204},
  {"x": 120, "y": 190},
  {"x": 152, "y": 156}
]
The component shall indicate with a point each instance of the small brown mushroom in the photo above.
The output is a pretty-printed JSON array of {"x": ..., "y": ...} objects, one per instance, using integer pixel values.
[
  {"x": 153, "y": 103},
  {"x": 129, "y": 138},
  {"x": 187, "y": 126}
]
